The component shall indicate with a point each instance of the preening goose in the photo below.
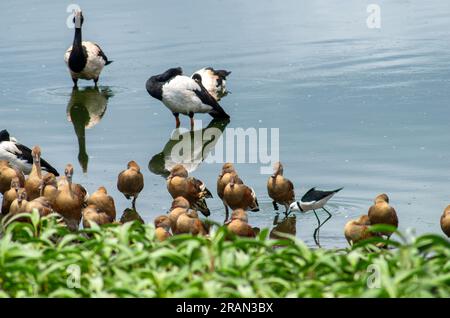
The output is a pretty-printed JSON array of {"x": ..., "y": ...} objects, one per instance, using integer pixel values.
[
  {"x": 20, "y": 156},
  {"x": 84, "y": 59},
  {"x": 183, "y": 95},
  {"x": 214, "y": 81}
]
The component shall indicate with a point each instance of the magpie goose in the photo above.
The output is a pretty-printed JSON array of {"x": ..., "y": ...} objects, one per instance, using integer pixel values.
[
  {"x": 85, "y": 59},
  {"x": 184, "y": 95},
  {"x": 313, "y": 200},
  {"x": 20, "y": 156},
  {"x": 214, "y": 81}
]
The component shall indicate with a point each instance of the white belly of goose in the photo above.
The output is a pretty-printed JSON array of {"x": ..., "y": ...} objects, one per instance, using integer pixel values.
[{"x": 94, "y": 64}]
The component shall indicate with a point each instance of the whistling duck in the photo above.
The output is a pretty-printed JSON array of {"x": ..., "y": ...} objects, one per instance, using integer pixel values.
[
  {"x": 228, "y": 170},
  {"x": 195, "y": 191},
  {"x": 280, "y": 189},
  {"x": 357, "y": 230},
  {"x": 179, "y": 206},
  {"x": 49, "y": 188},
  {"x": 70, "y": 199},
  {"x": 7, "y": 174},
  {"x": 41, "y": 204},
  {"x": 382, "y": 213},
  {"x": 445, "y": 221},
  {"x": 184, "y": 95},
  {"x": 131, "y": 182},
  {"x": 190, "y": 223},
  {"x": 162, "y": 228},
  {"x": 19, "y": 156},
  {"x": 84, "y": 59},
  {"x": 34, "y": 181},
  {"x": 10, "y": 195},
  {"x": 240, "y": 196},
  {"x": 91, "y": 213},
  {"x": 103, "y": 202},
  {"x": 20, "y": 203},
  {"x": 313, "y": 200},
  {"x": 238, "y": 224},
  {"x": 180, "y": 202},
  {"x": 214, "y": 81}
]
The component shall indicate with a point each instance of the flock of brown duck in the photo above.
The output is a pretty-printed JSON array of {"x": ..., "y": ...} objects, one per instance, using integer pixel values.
[{"x": 47, "y": 194}]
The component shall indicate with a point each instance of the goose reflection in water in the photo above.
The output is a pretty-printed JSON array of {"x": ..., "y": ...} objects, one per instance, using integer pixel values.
[
  {"x": 85, "y": 109},
  {"x": 200, "y": 143}
]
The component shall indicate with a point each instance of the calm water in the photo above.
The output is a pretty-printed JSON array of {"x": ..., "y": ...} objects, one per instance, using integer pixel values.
[{"x": 366, "y": 109}]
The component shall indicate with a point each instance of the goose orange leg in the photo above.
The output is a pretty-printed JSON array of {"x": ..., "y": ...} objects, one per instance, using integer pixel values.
[{"x": 177, "y": 120}]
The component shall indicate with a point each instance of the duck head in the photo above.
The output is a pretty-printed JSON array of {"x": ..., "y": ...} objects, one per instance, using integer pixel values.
[
  {"x": 69, "y": 173},
  {"x": 277, "y": 169},
  {"x": 163, "y": 221},
  {"x": 227, "y": 168},
  {"x": 180, "y": 202},
  {"x": 133, "y": 166},
  {"x": 178, "y": 171}
]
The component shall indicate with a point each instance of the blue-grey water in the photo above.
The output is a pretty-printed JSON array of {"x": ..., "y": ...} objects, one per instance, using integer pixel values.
[{"x": 366, "y": 109}]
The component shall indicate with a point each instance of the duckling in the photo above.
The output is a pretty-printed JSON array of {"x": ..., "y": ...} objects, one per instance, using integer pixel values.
[
  {"x": 195, "y": 191},
  {"x": 240, "y": 196},
  {"x": 70, "y": 199},
  {"x": 190, "y": 223},
  {"x": 162, "y": 227},
  {"x": 131, "y": 182},
  {"x": 280, "y": 189},
  {"x": 228, "y": 170},
  {"x": 7, "y": 174},
  {"x": 10, "y": 195},
  {"x": 84, "y": 59},
  {"x": 357, "y": 230},
  {"x": 34, "y": 181},
  {"x": 49, "y": 187},
  {"x": 238, "y": 224},
  {"x": 103, "y": 202},
  {"x": 382, "y": 213},
  {"x": 445, "y": 221},
  {"x": 91, "y": 213}
]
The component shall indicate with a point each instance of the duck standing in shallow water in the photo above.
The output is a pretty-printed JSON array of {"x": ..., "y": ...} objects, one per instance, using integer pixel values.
[
  {"x": 131, "y": 182},
  {"x": 195, "y": 191},
  {"x": 382, "y": 213},
  {"x": 228, "y": 171},
  {"x": 280, "y": 189},
  {"x": 184, "y": 95},
  {"x": 445, "y": 221},
  {"x": 214, "y": 81},
  {"x": 358, "y": 230},
  {"x": 19, "y": 156},
  {"x": 85, "y": 59},
  {"x": 240, "y": 196}
]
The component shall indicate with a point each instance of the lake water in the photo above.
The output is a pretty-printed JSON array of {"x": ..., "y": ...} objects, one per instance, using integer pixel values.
[{"x": 365, "y": 109}]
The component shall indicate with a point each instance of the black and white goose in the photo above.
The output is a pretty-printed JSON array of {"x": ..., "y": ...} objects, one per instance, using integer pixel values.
[
  {"x": 184, "y": 95},
  {"x": 214, "y": 81},
  {"x": 313, "y": 200},
  {"x": 20, "y": 156},
  {"x": 85, "y": 59}
]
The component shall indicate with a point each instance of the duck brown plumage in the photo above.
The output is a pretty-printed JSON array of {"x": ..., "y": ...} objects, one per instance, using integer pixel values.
[
  {"x": 280, "y": 189},
  {"x": 131, "y": 182},
  {"x": 103, "y": 202},
  {"x": 7, "y": 174},
  {"x": 240, "y": 196},
  {"x": 445, "y": 221}
]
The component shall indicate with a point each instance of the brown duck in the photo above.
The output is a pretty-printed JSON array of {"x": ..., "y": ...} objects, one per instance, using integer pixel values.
[
  {"x": 92, "y": 214},
  {"x": 280, "y": 189},
  {"x": 190, "y": 223},
  {"x": 7, "y": 174},
  {"x": 240, "y": 196},
  {"x": 238, "y": 224},
  {"x": 445, "y": 221},
  {"x": 195, "y": 191},
  {"x": 131, "y": 182},
  {"x": 70, "y": 199},
  {"x": 49, "y": 187},
  {"x": 382, "y": 213},
  {"x": 228, "y": 171},
  {"x": 34, "y": 182},
  {"x": 10, "y": 195},
  {"x": 162, "y": 228},
  {"x": 103, "y": 202},
  {"x": 357, "y": 230}
]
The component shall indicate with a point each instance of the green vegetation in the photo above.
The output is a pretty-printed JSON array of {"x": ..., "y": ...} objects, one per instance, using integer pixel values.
[{"x": 42, "y": 259}]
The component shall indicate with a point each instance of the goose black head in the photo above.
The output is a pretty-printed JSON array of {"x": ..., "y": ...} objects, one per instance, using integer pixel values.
[
  {"x": 78, "y": 19},
  {"x": 4, "y": 135},
  {"x": 197, "y": 77},
  {"x": 154, "y": 84}
]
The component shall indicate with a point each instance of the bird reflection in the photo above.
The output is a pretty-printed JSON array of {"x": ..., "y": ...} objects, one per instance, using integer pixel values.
[
  {"x": 85, "y": 109},
  {"x": 130, "y": 215},
  {"x": 286, "y": 225},
  {"x": 187, "y": 147}
]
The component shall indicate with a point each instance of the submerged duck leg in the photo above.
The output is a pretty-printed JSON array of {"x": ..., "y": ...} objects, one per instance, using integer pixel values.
[{"x": 275, "y": 205}]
